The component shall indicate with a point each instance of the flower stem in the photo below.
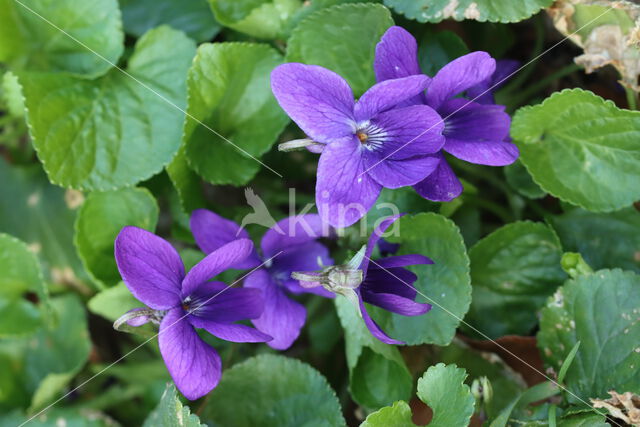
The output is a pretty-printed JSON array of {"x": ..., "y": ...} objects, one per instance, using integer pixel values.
[{"x": 632, "y": 98}]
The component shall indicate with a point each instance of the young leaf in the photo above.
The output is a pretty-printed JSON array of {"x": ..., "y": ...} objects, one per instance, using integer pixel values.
[
  {"x": 513, "y": 271},
  {"x": 396, "y": 415},
  {"x": 604, "y": 240},
  {"x": 77, "y": 36},
  {"x": 343, "y": 39},
  {"x": 119, "y": 129},
  {"x": 273, "y": 391},
  {"x": 378, "y": 375},
  {"x": 601, "y": 311},
  {"x": 442, "y": 387},
  {"x": 264, "y": 19},
  {"x": 480, "y": 10},
  {"x": 445, "y": 284},
  {"x": 100, "y": 219},
  {"x": 229, "y": 92},
  {"x": 582, "y": 149},
  {"x": 20, "y": 274},
  {"x": 194, "y": 17},
  {"x": 171, "y": 413}
]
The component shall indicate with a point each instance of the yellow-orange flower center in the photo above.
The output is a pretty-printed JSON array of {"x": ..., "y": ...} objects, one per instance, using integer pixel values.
[{"x": 362, "y": 137}]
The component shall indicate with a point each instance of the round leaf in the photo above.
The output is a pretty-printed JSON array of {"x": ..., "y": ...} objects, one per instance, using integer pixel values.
[
  {"x": 170, "y": 412},
  {"x": 259, "y": 18},
  {"x": 30, "y": 40},
  {"x": 602, "y": 311},
  {"x": 343, "y": 39},
  {"x": 582, "y": 149},
  {"x": 119, "y": 129},
  {"x": 397, "y": 415},
  {"x": 99, "y": 221},
  {"x": 480, "y": 10},
  {"x": 445, "y": 284},
  {"x": 274, "y": 391},
  {"x": 229, "y": 92},
  {"x": 513, "y": 271}
]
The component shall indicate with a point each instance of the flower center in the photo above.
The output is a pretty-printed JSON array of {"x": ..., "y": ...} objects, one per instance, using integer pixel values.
[
  {"x": 362, "y": 136},
  {"x": 186, "y": 304},
  {"x": 370, "y": 135}
]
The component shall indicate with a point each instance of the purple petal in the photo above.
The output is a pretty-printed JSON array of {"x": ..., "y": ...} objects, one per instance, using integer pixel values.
[
  {"x": 230, "y": 331},
  {"x": 218, "y": 302},
  {"x": 194, "y": 366},
  {"x": 150, "y": 267},
  {"x": 406, "y": 132},
  {"x": 211, "y": 231},
  {"x": 344, "y": 192},
  {"x": 490, "y": 153},
  {"x": 442, "y": 185},
  {"x": 396, "y": 304},
  {"x": 396, "y": 55},
  {"x": 400, "y": 173},
  {"x": 482, "y": 93},
  {"x": 374, "y": 328},
  {"x": 396, "y": 280},
  {"x": 215, "y": 263},
  {"x": 458, "y": 76},
  {"x": 388, "y": 94},
  {"x": 402, "y": 261},
  {"x": 301, "y": 258},
  {"x": 468, "y": 120},
  {"x": 318, "y": 100},
  {"x": 282, "y": 318},
  {"x": 292, "y": 231},
  {"x": 378, "y": 231},
  {"x": 387, "y": 248}
]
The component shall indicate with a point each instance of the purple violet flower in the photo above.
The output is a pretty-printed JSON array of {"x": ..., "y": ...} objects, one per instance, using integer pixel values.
[
  {"x": 364, "y": 143},
  {"x": 153, "y": 271},
  {"x": 475, "y": 132},
  {"x": 294, "y": 248},
  {"x": 482, "y": 93},
  {"x": 384, "y": 283}
]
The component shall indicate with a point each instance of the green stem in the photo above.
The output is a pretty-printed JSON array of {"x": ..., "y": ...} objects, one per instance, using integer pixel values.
[
  {"x": 632, "y": 98},
  {"x": 524, "y": 95}
]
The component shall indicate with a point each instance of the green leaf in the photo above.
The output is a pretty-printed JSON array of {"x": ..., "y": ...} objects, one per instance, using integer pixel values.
[
  {"x": 187, "y": 183},
  {"x": 92, "y": 134},
  {"x": 77, "y": 36},
  {"x": 113, "y": 302},
  {"x": 601, "y": 311},
  {"x": 194, "y": 17},
  {"x": 437, "y": 49},
  {"x": 273, "y": 391},
  {"x": 513, "y": 271},
  {"x": 171, "y": 413},
  {"x": 396, "y": 415},
  {"x": 40, "y": 215},
  {"x": 520, "y": 180},
  {"x": 57, "y": 353},
  {"x": 604, "y": 240},
  {"x": 536, "y": 393},
  {"x": 343, "y": 39},
  {"x": 587, "y": 419},
  {"x": 229, "y": 92},
  {"x": 12, "y": 94},
  {"x": 581, "y": 149},
  {"x": 264, "y": 19},
  {"x": 480, "y": 10},
  {"x": 20, "y": 274},
  {"x": 57, "y": 417},
  {"x": 99, "y": 221},
  {"x": 378, "y": 375},
  {"x": 442, "y": 387},
  {"x": 445, "y": 285}
]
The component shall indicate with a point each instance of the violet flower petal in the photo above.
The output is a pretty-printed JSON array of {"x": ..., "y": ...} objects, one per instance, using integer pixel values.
[
  {"x": 230, "y": 331},
  {"x": 388, "y": 94},
  {"x": 396, "y": 303},
  {"x": 400, "y": 173},
  {"x": 215, "y": 263},
  {"x": 211, "y": 231},
  {"x": 282, "y": 318},
  {"x": 482, "y": 93},
  {"x": 297, "y": 230},
  {"x": 395, "y": 280},
  {"x": 442, "y": 185},
  {"x": 344, "y": 192},
  {"x": 475, "y": 122},
  {"x": 374, "y": 328},
  {"x": 150, "y": 267},
  {"x": 458, "y": 76},
  {"x": 194, "y": 366},
  {"x": 217, "y": 302},
  {"x": 318, "y": 100},
  {"x": 402, "y": 261},
  {"x": 490, "y": 153},
  {"x": 378, "y": 231},
  {"x": 396, "y": 55}
]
